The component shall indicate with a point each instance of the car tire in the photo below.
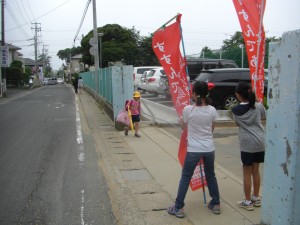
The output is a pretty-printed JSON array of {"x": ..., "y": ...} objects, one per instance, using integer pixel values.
[{"x": 229, "y": 101}]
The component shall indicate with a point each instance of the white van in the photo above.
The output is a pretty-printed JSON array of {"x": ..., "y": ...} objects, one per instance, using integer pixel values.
[{"x": 137, "y": 74}]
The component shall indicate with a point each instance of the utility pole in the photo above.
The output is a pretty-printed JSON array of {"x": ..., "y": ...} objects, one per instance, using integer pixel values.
[
  {"x": 44, "y": 52},
  {"x": 3, "y": 70},
  {"x": 36, "y": 28},
  {"x": 96, "y": 56}
]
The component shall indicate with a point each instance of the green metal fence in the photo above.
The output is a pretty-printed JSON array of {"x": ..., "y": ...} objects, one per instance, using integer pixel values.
[{"x": 104, "y": 83}]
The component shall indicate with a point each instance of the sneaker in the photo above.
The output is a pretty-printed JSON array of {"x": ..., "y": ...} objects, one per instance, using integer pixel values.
[
  {"x": 126, "y": 131},
  {"x": 214, "y": 208},
  {"x": 243, "y": 204},
  {"x": 137, "y": 135},
  {"x": 256, "y": 202},
  {"x": 179, "y": 213}
]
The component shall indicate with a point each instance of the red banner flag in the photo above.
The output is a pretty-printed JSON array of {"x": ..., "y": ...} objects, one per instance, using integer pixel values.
[
  {"x": 250, "y": 14},
  {"x": 165, "y": 44}
]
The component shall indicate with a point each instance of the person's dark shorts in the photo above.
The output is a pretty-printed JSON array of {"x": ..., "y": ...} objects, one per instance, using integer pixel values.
[
  {"x": 135, "y": 118},
  {"x": 249, "y": 158}
]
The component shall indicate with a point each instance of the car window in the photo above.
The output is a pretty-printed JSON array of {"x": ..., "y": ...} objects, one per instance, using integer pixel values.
[
  {"x": 210, "y": 65},
  {"x": 207, "y": 77},
  {"x": 194, "y": 67},
  {"x": 162, "y": 72},
  {"x": 142, "y": 70},
  {"x": 228, "y": 65},
  {"x": 151, "y": 73}
]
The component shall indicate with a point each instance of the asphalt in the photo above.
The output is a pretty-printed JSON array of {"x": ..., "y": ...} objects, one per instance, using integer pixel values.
[{"x": 143, "y": 173}]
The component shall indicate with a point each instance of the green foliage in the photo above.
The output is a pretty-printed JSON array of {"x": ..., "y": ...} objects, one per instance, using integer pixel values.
[
  {"x": 14, "y": 73},
  {"x": 126, "y": 45},
  {"x": 118, "y": 44},
  {"x": 208, "y": 53},
  {"x": 16, "y": 64},
  {"x": 67, "y": 52},
  {"x": 27, "y": 74}
]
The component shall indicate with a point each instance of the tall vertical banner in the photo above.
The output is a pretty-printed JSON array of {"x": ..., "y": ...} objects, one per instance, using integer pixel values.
[
  {"x": 166, "y": 46},
  {"x": 250, "y": 14}
]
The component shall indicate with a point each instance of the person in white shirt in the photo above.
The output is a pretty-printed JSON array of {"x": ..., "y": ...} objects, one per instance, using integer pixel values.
[
  {"x": 30, "y": 83},
  {"x": 200, "y": 121},
  {"x": 80, "y": 84}
]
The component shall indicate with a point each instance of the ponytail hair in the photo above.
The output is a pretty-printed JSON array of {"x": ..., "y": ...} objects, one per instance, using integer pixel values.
[
  {"x": 200, "y": 88},
  {"x": 245, "y": 91}
]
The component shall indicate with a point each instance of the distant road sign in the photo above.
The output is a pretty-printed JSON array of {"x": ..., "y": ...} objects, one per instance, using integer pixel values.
[{"x": 4, "y": 56}]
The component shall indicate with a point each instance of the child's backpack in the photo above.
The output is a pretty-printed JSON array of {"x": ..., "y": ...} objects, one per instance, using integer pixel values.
[{"x": 126, "y": 102}]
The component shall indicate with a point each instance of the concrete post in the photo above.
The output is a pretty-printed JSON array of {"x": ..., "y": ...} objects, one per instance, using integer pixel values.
[{"x": 281, "y": 184}]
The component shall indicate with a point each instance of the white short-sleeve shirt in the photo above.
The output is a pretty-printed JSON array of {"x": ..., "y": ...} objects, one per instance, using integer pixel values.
[{"x": 199, "y": 121}]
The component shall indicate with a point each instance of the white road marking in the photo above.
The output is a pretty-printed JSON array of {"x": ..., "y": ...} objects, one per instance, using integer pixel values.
[{"x": 81, "y": 156}]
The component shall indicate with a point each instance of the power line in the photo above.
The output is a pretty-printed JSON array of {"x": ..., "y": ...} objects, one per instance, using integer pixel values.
[
  {"x": 82, "y": 19},
  {"x": 15, "y": 19},
  {"x": 30, "y": 11},
  {"x": 40, "y": 16}
]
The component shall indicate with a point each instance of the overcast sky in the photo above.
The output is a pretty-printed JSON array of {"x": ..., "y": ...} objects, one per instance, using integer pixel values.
[{"x": 204, "y": 22}]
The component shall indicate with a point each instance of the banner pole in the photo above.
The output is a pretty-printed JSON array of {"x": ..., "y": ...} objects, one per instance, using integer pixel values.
[
  {"x": 202, "y": 179},
  {"x": 166, "y": 23},
  {"x": 259, "y": 41},
  {"x": 184, "y": 56}
]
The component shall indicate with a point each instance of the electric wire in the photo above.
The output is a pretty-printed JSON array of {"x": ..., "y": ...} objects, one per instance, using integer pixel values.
[
  {"x": 82, "y": 19},
  {"x": 45, "y": 14},
  {"x": 16, "y": 21},
  {"x": 30, "y": 10}
]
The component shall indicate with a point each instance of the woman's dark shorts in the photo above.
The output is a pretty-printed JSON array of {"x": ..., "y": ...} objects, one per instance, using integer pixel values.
[
  {"x": 135, "y": 118},
  {"x": 249, "y": 158}
]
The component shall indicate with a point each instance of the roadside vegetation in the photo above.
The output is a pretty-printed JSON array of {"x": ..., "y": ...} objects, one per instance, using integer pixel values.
[{"x": 128, "y": 46}]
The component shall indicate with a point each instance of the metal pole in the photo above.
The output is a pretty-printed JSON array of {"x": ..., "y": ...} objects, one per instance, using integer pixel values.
[
  {"x": 3, "y": 75},
  {"x": 242, "y": 56},
  {"x": 100, "y": 35},
  {"x": 96, "y": 56}
]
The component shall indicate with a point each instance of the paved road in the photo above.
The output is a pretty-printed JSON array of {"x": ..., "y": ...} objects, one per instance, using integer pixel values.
[{"x": 46, "y": 175}]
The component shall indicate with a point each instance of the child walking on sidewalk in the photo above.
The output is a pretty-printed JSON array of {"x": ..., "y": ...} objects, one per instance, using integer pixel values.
[
  {"x": 135, "y": 108},
  {"x": 248, "y": 115}
]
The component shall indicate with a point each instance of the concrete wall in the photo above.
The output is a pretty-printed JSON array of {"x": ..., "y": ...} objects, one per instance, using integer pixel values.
[{"x": 281, "y": 184}]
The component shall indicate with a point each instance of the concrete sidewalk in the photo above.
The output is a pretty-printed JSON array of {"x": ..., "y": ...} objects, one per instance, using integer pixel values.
[{"x": 148, "y": 169}]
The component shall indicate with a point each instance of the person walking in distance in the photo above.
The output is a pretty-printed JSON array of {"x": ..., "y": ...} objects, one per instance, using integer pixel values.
[
  {"x": 80, "y": 85},
  {"x": 75, "y": 84},
  {"x": 134, "y": 106},
  {"x": 30, "y": 83},
  {"x": 200, "y": 122},
  {"x": 247, "y": 115}
]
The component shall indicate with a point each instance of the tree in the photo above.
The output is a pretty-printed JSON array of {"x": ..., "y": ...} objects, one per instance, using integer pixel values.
[
  {"x": 147, "y": 56},
  {"x": 16, "y": 64},
  {"x": 67, "y": 52},
  {"x": 118, "y": 44},
  {"x": 206, "y": 52}
]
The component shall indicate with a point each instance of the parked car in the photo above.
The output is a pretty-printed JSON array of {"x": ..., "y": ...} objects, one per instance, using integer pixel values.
[
  {"x": 60, "y": 80},
  {"x": 45, "y": 81},
  {"x": 223, "y": 83},
  {"x": 137, "y": 73},
  {"x": 151, "y": 83},
  {"x": 52, "y": 81},
  {"x": 195, "y": 67},
  {"x": 142, "y": 81}
]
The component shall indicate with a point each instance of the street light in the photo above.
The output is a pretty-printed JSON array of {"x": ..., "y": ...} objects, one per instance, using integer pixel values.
[
  {"x": 242, "y": 47},
  {"x": 100, "y": 35}
]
